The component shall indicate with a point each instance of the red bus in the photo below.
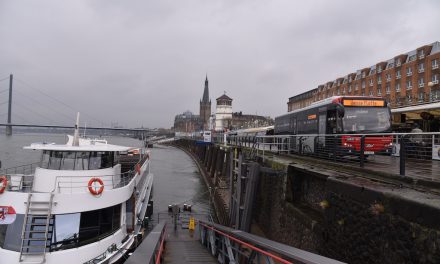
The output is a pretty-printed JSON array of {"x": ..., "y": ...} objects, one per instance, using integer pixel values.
[{"x": 337, "y": 115}]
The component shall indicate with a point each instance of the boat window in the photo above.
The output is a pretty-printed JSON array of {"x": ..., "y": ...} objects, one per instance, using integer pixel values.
[
  {"x": 66, "y": 232},
  {"x": 68, "y": 161},
  {"x": 79, "y": 229},
  {"x": 45, "y": 159},
  {"x": 78, "y": 160},
  {"x": 98, "y": 224},
  {"x": 10, "y": 235},
  {"x": 106, "y": 159},
  {"x": 95, "y": 161},
  {"x": 82, "y": 161},
  {"x": 55, "y": 160}
]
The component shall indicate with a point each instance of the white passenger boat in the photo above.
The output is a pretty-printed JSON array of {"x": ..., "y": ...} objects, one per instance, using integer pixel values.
[{"x": 85, "y": 202}]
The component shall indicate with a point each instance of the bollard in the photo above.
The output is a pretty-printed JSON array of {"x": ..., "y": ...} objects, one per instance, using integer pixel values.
[
  {"x": 402, "y": 157},
  {"x": 362, "y": 155}
]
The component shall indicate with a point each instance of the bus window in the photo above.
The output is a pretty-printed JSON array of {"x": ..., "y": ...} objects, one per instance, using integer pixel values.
[
  {"x": 322, "y": 123},
  {"x": 366, "y": 119},
  {"x": 331, "y": 122}
]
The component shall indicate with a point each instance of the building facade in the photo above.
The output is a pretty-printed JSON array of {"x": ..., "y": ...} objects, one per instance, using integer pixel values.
[
  {"x": 205, "y": 107},
  {"x": 242, "y": 121},
  {"x": 407, "y": 79},
  {"x": 187, "y": 122}
]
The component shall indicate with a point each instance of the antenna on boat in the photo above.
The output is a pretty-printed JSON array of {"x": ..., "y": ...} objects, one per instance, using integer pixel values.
[{"x": 75, "y": 141}]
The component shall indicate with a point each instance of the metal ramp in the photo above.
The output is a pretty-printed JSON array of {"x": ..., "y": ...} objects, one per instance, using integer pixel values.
[{"x": 37, "y": 228}]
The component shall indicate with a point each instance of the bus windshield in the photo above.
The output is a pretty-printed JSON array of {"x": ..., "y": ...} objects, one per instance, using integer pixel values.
[{"x": 366, "y": 119}]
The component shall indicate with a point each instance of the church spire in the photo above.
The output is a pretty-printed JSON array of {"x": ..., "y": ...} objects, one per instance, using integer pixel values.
[{"x": 205, "y": 98}]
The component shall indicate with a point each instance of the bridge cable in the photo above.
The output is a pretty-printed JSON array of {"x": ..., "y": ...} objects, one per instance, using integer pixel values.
[
  {"x": 53, "y": 98},
  {"x": 33, "y": 111},
  {"x": 70, "y": 118}
]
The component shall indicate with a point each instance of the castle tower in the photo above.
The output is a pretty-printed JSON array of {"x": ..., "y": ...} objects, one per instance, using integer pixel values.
[
  {"x": 223, "y": 113},
  {"x": 205, "y": 106}
]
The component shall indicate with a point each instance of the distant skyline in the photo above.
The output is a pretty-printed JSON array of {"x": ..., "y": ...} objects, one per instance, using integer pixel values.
[{"x": 140, "y": 63}]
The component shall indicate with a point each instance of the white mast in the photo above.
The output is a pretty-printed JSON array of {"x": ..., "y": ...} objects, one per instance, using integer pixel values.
[{"x": 75, "y": 141}]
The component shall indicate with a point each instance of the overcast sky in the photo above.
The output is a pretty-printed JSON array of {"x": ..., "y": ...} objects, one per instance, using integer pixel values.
[{"x": 142, "y": 62}]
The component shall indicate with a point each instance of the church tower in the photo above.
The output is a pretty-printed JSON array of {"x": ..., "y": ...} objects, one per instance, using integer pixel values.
[{"x": 205, "y": 106}]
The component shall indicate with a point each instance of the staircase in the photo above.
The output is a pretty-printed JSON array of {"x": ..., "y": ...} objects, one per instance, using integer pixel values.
[{"x": 37, "y": 228}]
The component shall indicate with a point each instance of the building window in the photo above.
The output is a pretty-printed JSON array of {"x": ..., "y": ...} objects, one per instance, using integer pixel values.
[
  {"x": 363, "y": 74},
  {"x": 371, "y": 93},
  {"x": 421, "y": 54},
  {"x": 371, "y": 82},
  {"x": 356, "y": 87},
  {"x": 363, "y": 84},
  {"x": 363, "y": 93},
  {"x": 388, "y": 77},
  {"x": 379, "y": 79},
  {"x": 434, "y": 64},
  {"x": 379, "y": 69},
  {"x": 338, "y": 91},
  {"x": 388, "y": 88},
  {"x": 398, "y": 74},
  {"x": 397, "y": 87},
  {"x": 379, "y": 92},
  {"x": 398, "y": 63},
  {"x": 434, "y": 79},
  {"x": 349, "y": 88},
  {"x": 421, "y": 82},
  {"x": 343, "y": 90},
  {"x": 373, "y": 71},
  {"x": 408, "y": 85},
  {"x": 408, "y": 71},
  {"x": 412, "y": 58},
  {"x": 421, "y": 97},
  {"x": 409, "y": 98},
  {"x": 350, "y": 79},
  {"x": 421, "y": 67}
]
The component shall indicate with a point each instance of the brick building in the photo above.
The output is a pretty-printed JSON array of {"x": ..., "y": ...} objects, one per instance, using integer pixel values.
[{"x": 407, "y": 79}]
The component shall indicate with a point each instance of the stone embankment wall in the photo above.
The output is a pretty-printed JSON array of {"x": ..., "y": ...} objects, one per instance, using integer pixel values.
[{"x": 351, "y": 219}]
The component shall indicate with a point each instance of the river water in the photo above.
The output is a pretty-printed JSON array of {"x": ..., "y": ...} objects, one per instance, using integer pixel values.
[{"x": 176, "y": 177}]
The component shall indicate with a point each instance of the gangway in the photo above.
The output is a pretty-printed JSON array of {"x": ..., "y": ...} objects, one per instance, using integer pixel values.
[{"x": 214, "y": 243}]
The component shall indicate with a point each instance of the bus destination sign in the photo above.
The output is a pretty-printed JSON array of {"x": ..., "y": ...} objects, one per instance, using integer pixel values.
[{"x": 349, "y": 102}]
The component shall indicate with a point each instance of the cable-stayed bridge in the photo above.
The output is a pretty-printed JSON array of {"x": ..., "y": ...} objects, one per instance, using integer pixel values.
[{"x": 34, "y": 108}]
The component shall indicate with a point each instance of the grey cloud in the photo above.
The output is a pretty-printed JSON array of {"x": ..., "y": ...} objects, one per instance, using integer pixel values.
[{"x": 143, "y": 62}]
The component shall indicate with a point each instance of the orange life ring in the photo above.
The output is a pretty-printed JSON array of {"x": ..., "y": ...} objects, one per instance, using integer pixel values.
[
  {"x": 92, "y": 189},
  {"x": 138, "y": 168},
  {"x": 3, "y": 183}
]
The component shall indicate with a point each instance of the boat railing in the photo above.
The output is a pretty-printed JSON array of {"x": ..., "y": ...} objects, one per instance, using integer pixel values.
[
  {"x": 26, "y": 169},
  {"x": 78, "y": 184},
  {"x": 17, "y": 181}
]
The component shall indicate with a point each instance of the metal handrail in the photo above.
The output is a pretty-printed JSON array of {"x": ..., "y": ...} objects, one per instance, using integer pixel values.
[
  {"x": 151, "y": 249},
  {"x": 268, "y": 248},
  {"x": 405, "y": 154}
]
